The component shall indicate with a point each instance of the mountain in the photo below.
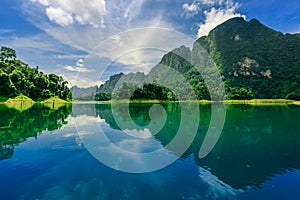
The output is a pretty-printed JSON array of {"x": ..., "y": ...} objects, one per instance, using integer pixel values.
[
  {"x": 116, "y": 82},
  {"x": 104, "y": 91},
  {"x": 253, "y": 60},
  {"x": 84, "y": 94},
  {"x": 255, "y": 57}
]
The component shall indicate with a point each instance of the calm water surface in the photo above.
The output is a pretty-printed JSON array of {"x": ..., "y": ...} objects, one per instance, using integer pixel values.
[{"x": 42, "y": 156}]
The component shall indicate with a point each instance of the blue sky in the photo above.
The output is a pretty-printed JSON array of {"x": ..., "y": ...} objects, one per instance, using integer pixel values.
[{"x": 79, "y": 39}]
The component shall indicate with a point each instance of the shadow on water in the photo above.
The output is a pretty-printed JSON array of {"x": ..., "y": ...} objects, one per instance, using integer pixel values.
[
  {"x": 257, "y": 142},
  {"x": 16, "y": 125}
]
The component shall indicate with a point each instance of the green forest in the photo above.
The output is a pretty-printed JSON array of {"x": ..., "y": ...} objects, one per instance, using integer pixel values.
[
  {"x": 17, "y": 78},
  {"x": 255, "y": 62}
]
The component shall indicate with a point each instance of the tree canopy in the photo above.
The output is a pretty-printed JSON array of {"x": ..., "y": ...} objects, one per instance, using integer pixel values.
[{"x": 16, "y": 78}]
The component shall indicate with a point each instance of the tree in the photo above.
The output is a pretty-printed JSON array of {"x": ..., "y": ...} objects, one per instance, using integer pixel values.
[
  {"x": 7, "y": 54},
  {"x": 295, "y": 95},
  {"x": 240, "y": 94},
  {"x": 16, "y": 78}
]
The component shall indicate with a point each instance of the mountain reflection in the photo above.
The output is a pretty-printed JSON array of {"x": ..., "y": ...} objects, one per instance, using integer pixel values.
[
  {"x": 16, "y": 125},
  {"x": 257, "y": 142}
]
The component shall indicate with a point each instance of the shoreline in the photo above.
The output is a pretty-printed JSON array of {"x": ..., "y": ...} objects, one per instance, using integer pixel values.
[
  {"x": 249, "y": 102},
  {"x": 58, "y": 101}
]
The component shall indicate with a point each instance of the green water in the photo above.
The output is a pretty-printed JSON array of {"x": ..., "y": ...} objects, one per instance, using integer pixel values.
[{"x": 44, "y": 154}]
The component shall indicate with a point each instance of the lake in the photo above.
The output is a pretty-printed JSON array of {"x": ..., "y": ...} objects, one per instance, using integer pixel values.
[{"x": 86, "y": 151}]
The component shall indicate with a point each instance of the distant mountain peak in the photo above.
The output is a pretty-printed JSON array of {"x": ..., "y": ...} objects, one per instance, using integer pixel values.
[{"x": 254, "y": 20}]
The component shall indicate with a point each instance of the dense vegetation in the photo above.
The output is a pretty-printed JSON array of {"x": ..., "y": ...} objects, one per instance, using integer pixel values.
[
  {"x": 104, "y": 92},
  {"x": 254, "y": 61},
  {"x": 16, "y": 78},
  {"x": 147, "y": 91}
]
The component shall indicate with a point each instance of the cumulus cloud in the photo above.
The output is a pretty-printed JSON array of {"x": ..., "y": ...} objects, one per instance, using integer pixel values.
[
  {"x": 79, "y": 63},
  {"x": 119, "y": 16},
  {"x": 211, "y": 2},
  {"x": 191, "y": 10},
  {"x": 80, "y": 82},
  {"x": 77, "y": 69},
  {"x": 42, "y": 2},
  {"x": 66, "y": 12},
  {"x": 216, "y": 16},
  {"x": 59, "y": 16}
]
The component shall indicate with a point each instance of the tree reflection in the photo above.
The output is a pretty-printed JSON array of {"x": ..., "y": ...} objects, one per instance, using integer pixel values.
[
  {"x": 16, "y": 125},
  {"x": 257, "y": 142}
]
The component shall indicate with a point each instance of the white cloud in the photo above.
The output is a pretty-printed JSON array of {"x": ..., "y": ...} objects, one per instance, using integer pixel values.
[
  {"x": 39, "y": 50},
  {"x": 217, "y": 189},
  {"x": 36, "y": 42},
  {"x": 80, "y": 82},
  {"x": 215, "y": 17},
  {"x": 211, "y": 2},
  {"x": 118, "y": 16},
  {"x": 194, "y": 8},
  {"x": 140, "y": 49},
  {"x": 79, "y": 63},
  {"x": 43, "y": 2},
  {"x": 77, "y": 69},
  {"x": 133, "y": 9},
  {"x": 70, "y": 56},
  {"x": 191, "y": 10},
  {"x": 59, "y": 16},
  {"x": 4, "y": 31},
  {"x": 66, "y": 12},
  {"x": 83, "y": 83}
]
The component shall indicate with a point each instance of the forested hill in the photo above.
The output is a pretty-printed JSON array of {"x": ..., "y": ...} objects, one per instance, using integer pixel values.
[
  {"x": 16, "y": 78},
  {"x": 256, "y": 58},
  {"x": 254, "y": 61}
]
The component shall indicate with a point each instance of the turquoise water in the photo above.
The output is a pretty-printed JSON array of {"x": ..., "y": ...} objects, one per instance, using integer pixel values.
[{"x": 44, "y": 154}]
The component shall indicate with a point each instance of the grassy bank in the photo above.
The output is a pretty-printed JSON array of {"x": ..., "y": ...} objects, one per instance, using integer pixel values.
[
  {"x": 296, "y": 103},
  {"x": 53, "y": 100},
  {"x": 20, "y": 102},
  {"x": 25, "y": 101},
  {"x": 260, "y": 101},
  {"x": 152, "y": 101},
  {"x": 21, "y": 99}
]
